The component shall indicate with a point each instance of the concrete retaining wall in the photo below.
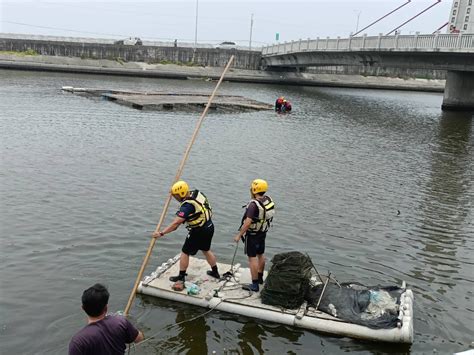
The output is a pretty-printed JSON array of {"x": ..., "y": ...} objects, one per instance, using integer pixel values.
[
  {"x": 209, "y": 57},
  {"x": 19, "y": 61},
  {"x": 149, "y": 54}
]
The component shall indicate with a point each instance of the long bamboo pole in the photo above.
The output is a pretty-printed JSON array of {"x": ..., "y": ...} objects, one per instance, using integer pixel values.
[{"x": 176, "y": 178}]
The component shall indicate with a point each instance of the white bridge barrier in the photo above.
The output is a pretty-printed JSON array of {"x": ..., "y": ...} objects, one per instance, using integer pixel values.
[{"x": 461, "y": 43}]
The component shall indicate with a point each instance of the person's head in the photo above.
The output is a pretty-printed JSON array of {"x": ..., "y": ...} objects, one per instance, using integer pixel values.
[
  {"x": 258, "y": 187},
  {"x": 95, "y": 300},
  {"x": 180, "y": 190}
]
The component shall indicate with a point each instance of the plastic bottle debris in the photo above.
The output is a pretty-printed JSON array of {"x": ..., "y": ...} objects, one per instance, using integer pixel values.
[
  {"x": 193, "y": 289},
  {"x": 375, "y": 296},
  {"x": 380, "y": 303},
  {"x": 333, "y": 310}
]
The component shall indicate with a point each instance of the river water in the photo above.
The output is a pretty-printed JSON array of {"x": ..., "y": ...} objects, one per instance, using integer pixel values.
[{"x": 377, "y": 186}]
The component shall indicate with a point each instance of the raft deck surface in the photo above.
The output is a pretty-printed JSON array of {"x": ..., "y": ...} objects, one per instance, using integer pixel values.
[
  {"x": 228, "y": 296},
  {"x": 166, "y": 101}
]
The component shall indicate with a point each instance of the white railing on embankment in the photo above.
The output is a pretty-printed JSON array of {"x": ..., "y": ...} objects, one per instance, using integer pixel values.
[{"x": 433, "y": 42}]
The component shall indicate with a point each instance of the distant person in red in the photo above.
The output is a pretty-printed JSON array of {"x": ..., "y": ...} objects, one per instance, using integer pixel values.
[
  {"x": 279, "y": 103},
  {"x": 286, "y": 106},
  {"x": 104, "y": 334}
]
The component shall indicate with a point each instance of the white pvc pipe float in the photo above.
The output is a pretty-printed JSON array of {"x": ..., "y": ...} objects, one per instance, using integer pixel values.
[{"x": 404, "y": 334}]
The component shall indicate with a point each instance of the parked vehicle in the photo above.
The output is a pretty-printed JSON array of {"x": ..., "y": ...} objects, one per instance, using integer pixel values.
[
  {"x": 226, "y": 45},
  {"x": 130, "y": 42}
]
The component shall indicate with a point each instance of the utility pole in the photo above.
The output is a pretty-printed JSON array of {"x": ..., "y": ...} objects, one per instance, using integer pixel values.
[
  {"x": 251, "y": 27},
  {"x": 357, "y": 25},
  {"x": 196, "y": 31}
]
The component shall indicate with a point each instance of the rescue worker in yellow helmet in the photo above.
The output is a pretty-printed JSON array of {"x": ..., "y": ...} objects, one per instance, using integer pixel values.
[
  {"x": 196, "y": 212},
  {"x": 256, "y": 221}
]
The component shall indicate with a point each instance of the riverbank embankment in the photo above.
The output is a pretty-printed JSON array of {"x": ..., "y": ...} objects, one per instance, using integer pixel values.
[{"x": 10, "y": 60}]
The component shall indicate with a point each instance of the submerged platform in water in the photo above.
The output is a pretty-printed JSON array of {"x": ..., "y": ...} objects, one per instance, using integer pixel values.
[
  {"x": 228, "y": 296},
  {"x": 168, "y": 101}
]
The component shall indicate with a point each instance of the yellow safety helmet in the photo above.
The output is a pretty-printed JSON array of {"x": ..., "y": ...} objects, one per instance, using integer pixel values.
[
  {"x": 180, "y": 188},
  {"x": 258, "y": 186}
]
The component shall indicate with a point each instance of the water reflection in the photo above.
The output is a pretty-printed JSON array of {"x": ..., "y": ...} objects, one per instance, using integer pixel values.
[
  {"x": 253, "y": 335},
  {"x": 446, "y": 202},
  {"x": 443, "y": 216},
  {"x": 185, "y": 333},
  {"x": 250, "y": 338},
  {"x": 191, "y": 332}
]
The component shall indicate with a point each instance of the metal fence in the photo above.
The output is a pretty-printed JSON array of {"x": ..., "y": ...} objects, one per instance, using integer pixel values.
[{"x": 418, "y": 42}]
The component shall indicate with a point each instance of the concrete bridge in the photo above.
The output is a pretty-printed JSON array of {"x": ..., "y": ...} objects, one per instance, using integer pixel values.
[{"x": 451, "y": 52}]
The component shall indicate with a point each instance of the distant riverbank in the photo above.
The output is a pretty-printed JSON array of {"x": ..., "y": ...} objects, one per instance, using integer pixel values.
[{"x": 21, "y": 61}]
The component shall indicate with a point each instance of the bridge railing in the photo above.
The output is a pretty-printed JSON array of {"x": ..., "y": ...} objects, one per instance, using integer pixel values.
[{"x": 438, "y": 42}]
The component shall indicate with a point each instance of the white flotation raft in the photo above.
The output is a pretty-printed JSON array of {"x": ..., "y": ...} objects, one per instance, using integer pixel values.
[{"x": 228, "y": 296}]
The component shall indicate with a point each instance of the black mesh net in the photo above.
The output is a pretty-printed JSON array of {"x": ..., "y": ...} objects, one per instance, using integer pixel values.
[
  {"x": 288, "y": 280},
  {"x": 288, "y": 285},
  {"x": 371, "y": 306}
]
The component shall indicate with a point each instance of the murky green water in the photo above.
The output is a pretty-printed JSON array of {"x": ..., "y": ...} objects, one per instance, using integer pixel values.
[{"x": 83, "y": 183}]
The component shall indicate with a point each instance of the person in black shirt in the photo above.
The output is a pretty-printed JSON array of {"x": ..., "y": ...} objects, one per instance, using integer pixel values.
[{"x": 253, "y": 230}]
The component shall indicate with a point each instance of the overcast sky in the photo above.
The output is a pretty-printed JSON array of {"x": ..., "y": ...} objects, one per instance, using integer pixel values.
[{"x": 217, "y": 20}]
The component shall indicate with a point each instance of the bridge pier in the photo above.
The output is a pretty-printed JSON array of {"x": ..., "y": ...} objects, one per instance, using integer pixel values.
[{"x": 459, "y": 91}]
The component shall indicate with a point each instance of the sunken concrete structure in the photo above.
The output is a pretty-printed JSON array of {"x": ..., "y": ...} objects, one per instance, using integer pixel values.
[{"x": 166, "y": 101}]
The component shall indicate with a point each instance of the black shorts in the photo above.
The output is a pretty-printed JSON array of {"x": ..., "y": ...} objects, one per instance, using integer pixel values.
[
  {"x": 198, "y": 239},
  {"x": 254, "y": 244}
]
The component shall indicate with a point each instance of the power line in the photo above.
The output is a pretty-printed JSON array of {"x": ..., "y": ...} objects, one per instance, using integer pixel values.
[{"x": 63, "y": 29}]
